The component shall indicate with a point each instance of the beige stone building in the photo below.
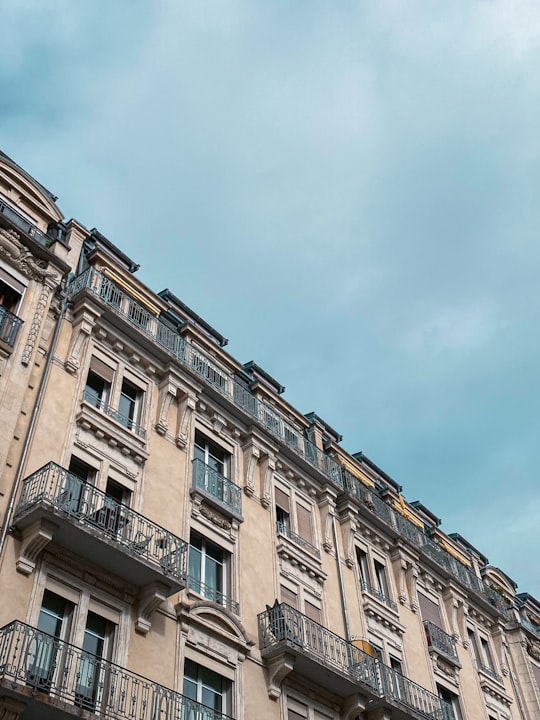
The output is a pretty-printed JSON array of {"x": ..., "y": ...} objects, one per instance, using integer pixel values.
[{"x": 180, "y": 543}]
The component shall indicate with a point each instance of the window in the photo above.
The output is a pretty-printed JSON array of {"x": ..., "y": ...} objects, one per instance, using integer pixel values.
[
  {"x": 307, "y": 710},
  {"x": 372, "y": 574},
  {"x": 49, "y": 656},
  {"x": 11, "y": 292},
  {"x": 294, "y": 519},
  {"x": 211, "y": 472},
  {"x": 303, "y": 601},
  {"x": 109, "y": 390},
  {"x": 98, "y": 383},
  {"x": 209, "y": 570},
  {"x": 381, "y": 579},
  {"x": 213, "y": 456},
  {"x": 128, "y": 408},
  {"x": 481, "y": 653},
  {"x": 206, "y": 687},
  {"x": 449, "y": 704}
]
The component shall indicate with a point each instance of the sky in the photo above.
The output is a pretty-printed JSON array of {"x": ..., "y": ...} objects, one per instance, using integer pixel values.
[{"x": 345, "y": 189}]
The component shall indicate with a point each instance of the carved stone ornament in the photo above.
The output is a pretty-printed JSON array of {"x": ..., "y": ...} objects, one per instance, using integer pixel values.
[
  {"x": 533, "y": 648},
  {"x": 21, "y": 258}
]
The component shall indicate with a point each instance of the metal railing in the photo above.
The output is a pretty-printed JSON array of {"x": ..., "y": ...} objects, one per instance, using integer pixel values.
[
  {"x": 25, "y": 225},
  {"x": 63, "y": 672},
  {"x": 378, "y": 594},
  {"x": 217, "y": 486},
  {"x": 489, "y": 671},
  {"x": 71, "y": 496},
  {"x": 282, "y": 623},
  {"x": 355, "y": 488},
  {"x": 154, "y": 327},
  {"x": 92, "y": 398},
  {"x": 284, "y": 529},
  {"x": 9, "y": 326},
  {"x": 440, "y": 640},
  {"x": 210, "y": 593}
]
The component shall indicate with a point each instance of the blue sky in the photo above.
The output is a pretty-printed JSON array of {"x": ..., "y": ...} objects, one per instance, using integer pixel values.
[{"x": 347, "y": 190}]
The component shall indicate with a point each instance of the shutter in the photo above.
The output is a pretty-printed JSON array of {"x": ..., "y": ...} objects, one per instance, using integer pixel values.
[
  {"x": 282, "y": 499},
  {"x": 312, "y": 611},
  {"x": 536, "y": 673},
  {"x": 289, "y": 597},
  {"x": 102, "y": 369},
  {"x": 429, "y": 610},
  {"x": 292, "y": 715},
  {"x": 303, "y": 519},
  {"x": 12, "y": 282}
]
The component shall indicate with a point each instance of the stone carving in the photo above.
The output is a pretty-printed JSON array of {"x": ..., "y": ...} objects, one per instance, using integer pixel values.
[{"x": 21, "y": 258}]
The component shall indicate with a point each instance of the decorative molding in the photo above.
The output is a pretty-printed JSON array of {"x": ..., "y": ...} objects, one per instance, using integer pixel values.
[
  {"x": 167, "y": 392},
  {"x": 277, "y": 668},
  {"x": 11, "y": 709},
  {"x": 150, "y": 598},
  {"x": 35, "y": 325},
  {"x": 34, "y": 538},
  {"x": 268, "y": 469},
  {"x": 252, "y": 454},
  {"x": 23, "y": 259},
  {"x": 185, "y": 413}
]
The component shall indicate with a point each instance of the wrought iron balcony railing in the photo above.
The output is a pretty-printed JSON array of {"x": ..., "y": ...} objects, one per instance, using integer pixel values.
[
  {"x": 283, "y": 625},
  {"x": 92, "y": 398},
  {"x": 440, "y": 641},
  {"x": 25, "y": 225},
  {"x": 72, "y": 497},
  {"x": 9, "y": 326},
  {"x": 355, "y": 488},
  {"x": 284, "y": 529},
  {"x": 210, "y": 593},
  {"x": 378, "y": 594},
  {"x": 217, "y": 486},
  {"x": 58, "y": 671},
  {"x": 152, "y": 326}
]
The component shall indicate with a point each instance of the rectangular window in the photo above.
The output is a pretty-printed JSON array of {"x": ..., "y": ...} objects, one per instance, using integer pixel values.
[
  {"x": 429, "y": 610},
  {"x": 212, "y": 455},
  {"x": 283, "y": 511},
  {"x": 449, "y": 704},
  {"x": 209, "y": 569},
  {"x": 381, "y": 579},
  {"x": 206, "y": 687},
  {"x": 129, "y": 405},
  {"x": 289, "y": 596},
  {"x": 98, "y": 383},
  {"x": 363, "y": 571},
  {"x": 50, "y": 656}
]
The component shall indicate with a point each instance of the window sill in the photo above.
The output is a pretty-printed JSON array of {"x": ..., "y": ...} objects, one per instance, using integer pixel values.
[
  {"x": 382, "y": 613},
  {"x": 111, "y": 431},
  {"x": 299, "y": 556}
]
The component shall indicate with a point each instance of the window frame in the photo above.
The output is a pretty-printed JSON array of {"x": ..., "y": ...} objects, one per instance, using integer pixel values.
[{"x": 115, "y": 376}]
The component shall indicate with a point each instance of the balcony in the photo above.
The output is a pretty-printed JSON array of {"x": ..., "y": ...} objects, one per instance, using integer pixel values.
[
  {"x": 56, "y": 504},
  {"x": 290, "y": 640},
  {"x": 122, "y": 305},
  {"x": 10, "y": 325},
  {"x": 57, "y": 680},
  {"x": 28, "y": 227},
  {"x": 218, "y": 489},
  {"x": 441, "y": 643},
  {"x": 283, "y": 529},
  {"x": 356, "y": 490}
]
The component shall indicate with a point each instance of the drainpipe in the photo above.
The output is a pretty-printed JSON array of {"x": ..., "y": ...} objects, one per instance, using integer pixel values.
[
  {"x": 33, "y": 419},
  {"x": 341, "y": 586}
]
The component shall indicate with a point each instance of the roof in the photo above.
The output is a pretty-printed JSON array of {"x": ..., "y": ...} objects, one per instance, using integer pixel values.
[{"x": 12, "y": 162}]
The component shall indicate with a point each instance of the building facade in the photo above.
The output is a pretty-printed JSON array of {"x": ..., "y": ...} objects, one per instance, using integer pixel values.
[{"x": 180, "y": 543}]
